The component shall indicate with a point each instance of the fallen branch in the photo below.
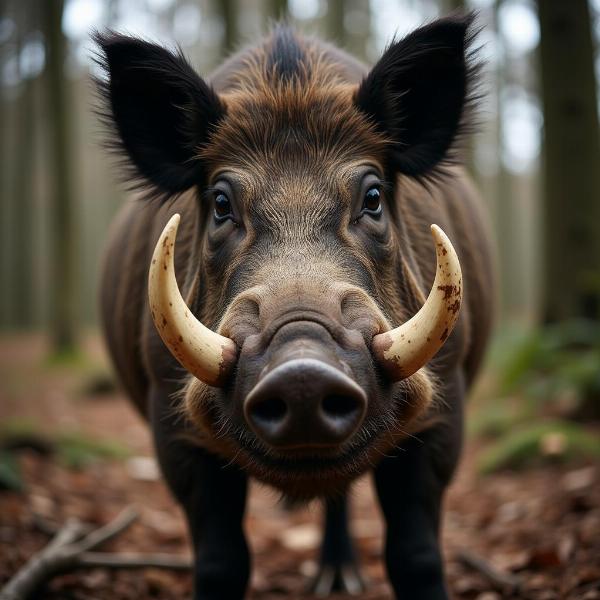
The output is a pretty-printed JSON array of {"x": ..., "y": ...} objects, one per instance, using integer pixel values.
[
  {"x": 71, "y": 549},
  {"x": 500, "y": 580},
  {"x": 132, "y": 560}
]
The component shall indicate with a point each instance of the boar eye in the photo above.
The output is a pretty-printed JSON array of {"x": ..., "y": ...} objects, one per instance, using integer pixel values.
[
  {"x": 223, "y": 210},
  {"x": 372, "y": 201}
]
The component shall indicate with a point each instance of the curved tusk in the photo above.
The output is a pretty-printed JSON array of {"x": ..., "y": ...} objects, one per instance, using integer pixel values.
[
  {"x": 204, "y": 353},
  {"x": 405, "y": 349}
]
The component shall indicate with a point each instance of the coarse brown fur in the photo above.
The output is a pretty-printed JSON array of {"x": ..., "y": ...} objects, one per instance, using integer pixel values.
[{"x": 293, "y": 139}]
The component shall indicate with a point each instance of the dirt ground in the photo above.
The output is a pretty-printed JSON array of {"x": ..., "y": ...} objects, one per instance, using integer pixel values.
[{"x": 542, "y": 526}]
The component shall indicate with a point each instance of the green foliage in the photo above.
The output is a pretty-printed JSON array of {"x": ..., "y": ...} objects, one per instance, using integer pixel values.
[
  {"x": 74, "y": 449},
  {"x": 71, "y": 359},
  {"x": 552, "y": 441},
  {"x": 553, "y": 361},
  {"x": 17, "y": 427},
  {"x": 495, "y": 417},
  {"x": 544, "y": 346},
  {"x": 10, "y": 473},
  {"x": 545, "y": 379},
  {"x": 77, "y": 450}
]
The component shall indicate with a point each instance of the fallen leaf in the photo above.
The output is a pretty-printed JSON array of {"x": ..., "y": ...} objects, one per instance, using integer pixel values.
[
  {"x": 301, "y": 537},
  {"x": 545, "y": 557},
  {"x": 143, "y": 468},
  {"x": 579, "y": 479}
]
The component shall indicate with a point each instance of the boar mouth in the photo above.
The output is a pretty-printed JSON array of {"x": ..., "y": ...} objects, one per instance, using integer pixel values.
[{"x": 348, "y": 460}]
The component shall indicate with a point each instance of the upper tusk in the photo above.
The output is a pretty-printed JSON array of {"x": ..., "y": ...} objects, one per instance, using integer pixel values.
[
  {"x": 404, "y": 350},
  {"x": 204, "y": 353}
]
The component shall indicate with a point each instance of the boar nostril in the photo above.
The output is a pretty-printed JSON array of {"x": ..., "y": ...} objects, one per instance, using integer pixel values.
[
  {"x": 338, "y": 406},
  {"x": 270, "y": 410},
  {"x": 305, "y": 402}
]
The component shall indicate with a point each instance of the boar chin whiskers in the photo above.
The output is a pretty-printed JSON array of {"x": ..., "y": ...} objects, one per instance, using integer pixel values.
[
  {"x": 233, "y": 460},
  {"x": 382, "y": 454},
  {"x": 224, "y": 427},
  {"x": 409, "y": 434}
]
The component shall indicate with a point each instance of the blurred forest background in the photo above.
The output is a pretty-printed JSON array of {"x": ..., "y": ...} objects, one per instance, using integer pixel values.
[
  {"x": 536, "y": 160},
  {"x": 59, "y": 190}
]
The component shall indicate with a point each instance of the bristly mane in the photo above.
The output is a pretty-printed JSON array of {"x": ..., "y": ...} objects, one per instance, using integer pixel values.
[
  {"x": 285, "y": 56},
  {"x": 290, "y": 102},
  {"x": 285, "y": 59}
]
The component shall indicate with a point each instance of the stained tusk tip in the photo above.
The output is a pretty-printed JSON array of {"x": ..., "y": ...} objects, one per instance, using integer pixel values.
[
  {"x": 408, "y": 347},
  {"x": 438, "y": 233},
  {"x": 173, "y": 222}
]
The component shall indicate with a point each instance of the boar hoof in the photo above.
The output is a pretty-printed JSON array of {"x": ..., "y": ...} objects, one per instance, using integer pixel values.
[{"x": 331, "y": 578}]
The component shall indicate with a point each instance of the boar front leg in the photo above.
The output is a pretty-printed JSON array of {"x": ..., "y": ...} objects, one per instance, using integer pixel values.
[
  {"x": 338, "y": 566},
  {"x": 410, "y": 487},
  {"x": 213, "y": 497}
]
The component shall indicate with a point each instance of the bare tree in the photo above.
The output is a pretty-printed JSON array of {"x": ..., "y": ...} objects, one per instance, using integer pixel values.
[
  {"x": 23, "y": 181},
  {"x": 4, "y": 191},
  {"x": 505, "y": 190},
  {"x": 62, "y": 308},
  {"x": 336, "y": 31},
  {"x": 357, "y": 27},
  {"x": 228, "y": 12},
  {"x": 571, "y": 162},
  {"x": 450, "y": 6},
  {"x": 278, "y": 9}
]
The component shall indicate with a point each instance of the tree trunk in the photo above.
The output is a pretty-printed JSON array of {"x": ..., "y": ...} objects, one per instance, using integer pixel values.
[
  {"x": 62, "y": 306},
  {"x": 227, "y": 9},
  {"x": 336, "y": 31},
  {"x": 278, "y": 10},
  {"x": 357, "y": 33},
  {"x": 23, "y": 188},
  {"x": 571, "y": 162},
  {"x": 504, "y": 201},
  {"x": 5, "y": 212},
  {"x": 450, "y": 6}
]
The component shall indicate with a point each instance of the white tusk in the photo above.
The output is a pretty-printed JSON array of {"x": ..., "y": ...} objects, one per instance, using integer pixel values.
[
  {"x": 405, "y": 349},
  {"x": 204, "y": 353}
]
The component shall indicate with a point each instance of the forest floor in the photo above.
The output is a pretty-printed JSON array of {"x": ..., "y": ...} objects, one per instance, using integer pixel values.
[{"x": 541, "y": 526}]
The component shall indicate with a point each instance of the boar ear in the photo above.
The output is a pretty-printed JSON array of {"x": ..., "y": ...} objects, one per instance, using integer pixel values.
[
  {"x": 159, "y": 110},
  {"x": 417, "y": 94}
]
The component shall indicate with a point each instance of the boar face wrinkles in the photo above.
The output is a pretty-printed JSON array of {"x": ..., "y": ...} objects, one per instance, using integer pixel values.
[
  {"x": 303, "y": 270},
  {"x": 302, "y": 254}
]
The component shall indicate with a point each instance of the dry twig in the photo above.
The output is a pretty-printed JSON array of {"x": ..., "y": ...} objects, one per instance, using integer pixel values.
[
  {"x": 501, "y": 581},
  {"x": 71, "y": 549}
]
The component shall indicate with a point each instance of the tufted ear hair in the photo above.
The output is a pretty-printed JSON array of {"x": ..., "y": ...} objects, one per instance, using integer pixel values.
[
  {"x": 418, "y": 93},
  {"x": 159, "y": 110}
]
